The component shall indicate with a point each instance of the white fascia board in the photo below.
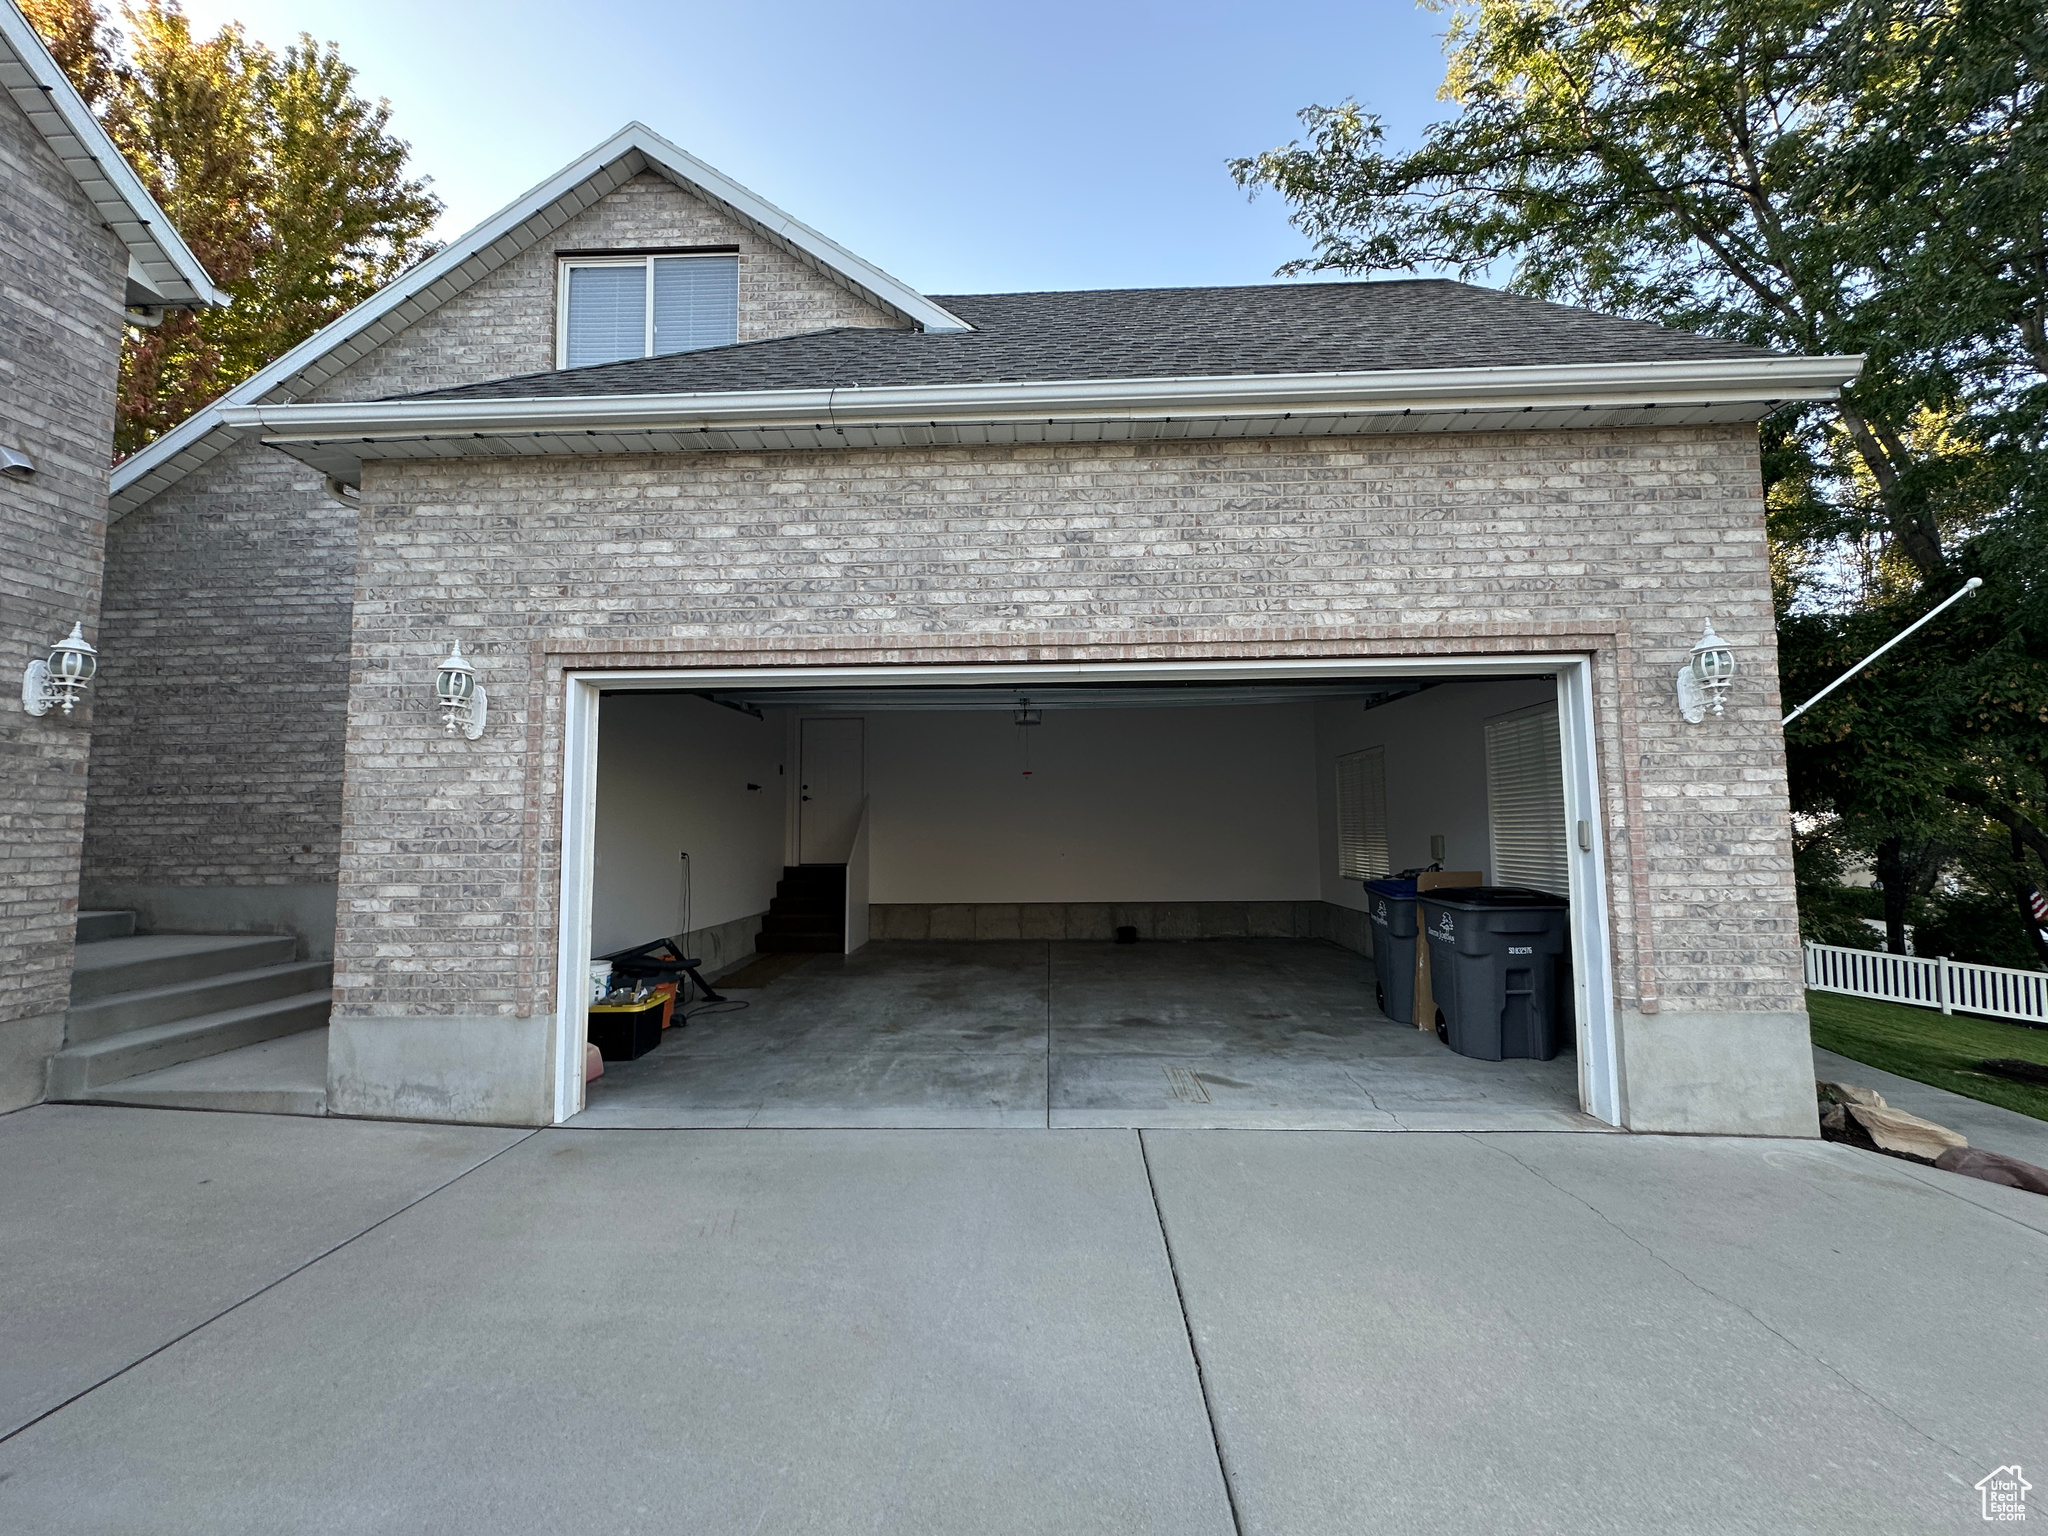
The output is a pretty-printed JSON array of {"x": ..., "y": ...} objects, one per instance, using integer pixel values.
[
  {"x": 897, "y": 295},
  {"x": 42, "y": 90},
  {"x": 415, "y": 287},
  {"x": 1763, "y": 381}
]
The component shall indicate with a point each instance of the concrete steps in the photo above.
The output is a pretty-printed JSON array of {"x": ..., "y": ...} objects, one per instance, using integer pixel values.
[
  {"x": 148, "y": 1005},
  {"x": 808, "y": 914},
  {"x": 123, "y": 1011},
  {"x": 285, "y": 1076},
  {"x": 95, "y": 926},
  {"x": 146, "y": 961},
  {"x": 79, "y": 1070}
]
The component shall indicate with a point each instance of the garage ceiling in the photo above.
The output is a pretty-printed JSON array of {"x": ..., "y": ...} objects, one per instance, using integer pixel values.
[{"x": 854, "y": 700}]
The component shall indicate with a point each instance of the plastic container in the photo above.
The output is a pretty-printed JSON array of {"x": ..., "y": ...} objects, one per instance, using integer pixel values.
[
  {"x": 1498, "y": 959},
  {"x": 1390, "y": 906},
  {"x": 627, "y": 1031}
]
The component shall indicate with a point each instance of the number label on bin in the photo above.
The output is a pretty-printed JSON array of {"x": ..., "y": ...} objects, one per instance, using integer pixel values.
[{"x": 1521, "y": 949}]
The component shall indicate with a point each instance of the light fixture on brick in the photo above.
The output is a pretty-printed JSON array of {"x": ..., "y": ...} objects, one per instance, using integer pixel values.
[
  {"x": 463, "y": 704},
  {"x": 1705, "y": 676},
  {"x": 59, "y": 683}
]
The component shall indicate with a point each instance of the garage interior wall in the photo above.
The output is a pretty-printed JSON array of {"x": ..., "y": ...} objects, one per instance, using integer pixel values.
[
  {"x": 1435, "y": 742},
  {"x": 672, "y": 776},
  {"x": 1122, "y": 805},
  {"x": 1161, "y": 805}
]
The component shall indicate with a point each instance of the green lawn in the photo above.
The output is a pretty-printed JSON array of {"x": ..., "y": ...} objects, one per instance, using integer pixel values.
[{"x": 1931, "y": 1047}]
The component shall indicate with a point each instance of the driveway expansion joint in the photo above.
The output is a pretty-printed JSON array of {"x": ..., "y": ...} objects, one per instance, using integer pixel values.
[
  {"x": 261, "y": 1290},
  {"x": 1194, "y": 1349}
]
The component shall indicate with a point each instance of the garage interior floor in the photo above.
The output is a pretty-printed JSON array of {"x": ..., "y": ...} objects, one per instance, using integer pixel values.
[{"x": 1273, "y": 1034}]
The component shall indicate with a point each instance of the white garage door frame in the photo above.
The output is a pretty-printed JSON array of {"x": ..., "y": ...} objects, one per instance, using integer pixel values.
[{"x": 1592, "y": 962}]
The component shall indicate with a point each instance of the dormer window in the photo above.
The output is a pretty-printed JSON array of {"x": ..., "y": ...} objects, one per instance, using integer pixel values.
[{"x": 645, "y": 304}]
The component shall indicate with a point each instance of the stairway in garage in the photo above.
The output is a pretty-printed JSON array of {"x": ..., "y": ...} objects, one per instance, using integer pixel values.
[
  {"x": 197, "y": 1021},
  {"x": 808, "y": 914}
]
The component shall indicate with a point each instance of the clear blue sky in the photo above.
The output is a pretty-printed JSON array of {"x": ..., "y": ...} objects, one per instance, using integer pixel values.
[{"x": 968, "y": 148}]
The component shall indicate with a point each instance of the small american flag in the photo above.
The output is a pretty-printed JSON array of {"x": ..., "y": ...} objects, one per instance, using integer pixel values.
[{"x": 2038, "y": 904}]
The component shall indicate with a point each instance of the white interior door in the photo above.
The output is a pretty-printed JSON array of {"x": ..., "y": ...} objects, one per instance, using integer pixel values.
[{"x": 831, "y": 783}]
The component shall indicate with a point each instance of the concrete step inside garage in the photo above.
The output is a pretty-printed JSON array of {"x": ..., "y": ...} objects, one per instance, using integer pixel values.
[
  {"x": 808, "y": 914},
  {"x": 1067, "y": 905},
  {"x": 201, "y": 1021}
]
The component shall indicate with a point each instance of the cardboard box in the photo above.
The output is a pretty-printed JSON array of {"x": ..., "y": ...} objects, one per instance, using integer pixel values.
[{"x": 1425, "y": 1000}]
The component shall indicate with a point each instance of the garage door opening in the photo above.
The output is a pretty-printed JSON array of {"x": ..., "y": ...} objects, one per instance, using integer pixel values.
[{"x": 1071, "y": 901}]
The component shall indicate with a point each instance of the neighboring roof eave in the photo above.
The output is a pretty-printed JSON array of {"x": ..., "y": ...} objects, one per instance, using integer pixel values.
[
  {"x": 170, "y": 274},
  {"x": 422, "y": 289},
  {"x": 327, "y": 433}
]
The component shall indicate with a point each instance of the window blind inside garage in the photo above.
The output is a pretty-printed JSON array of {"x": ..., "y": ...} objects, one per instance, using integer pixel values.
[
  {"x": 1362, "y": 814},
  {"x": 1525, "y": 800}
]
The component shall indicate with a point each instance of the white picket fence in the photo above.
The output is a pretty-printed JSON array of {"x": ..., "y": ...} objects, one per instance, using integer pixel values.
[{"x": 1950, "y": 985}]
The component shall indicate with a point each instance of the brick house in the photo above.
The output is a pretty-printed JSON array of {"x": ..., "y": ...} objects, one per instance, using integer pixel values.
[
  {"x": 764, "y": 559},
  {"x": 84, "y": 251}
]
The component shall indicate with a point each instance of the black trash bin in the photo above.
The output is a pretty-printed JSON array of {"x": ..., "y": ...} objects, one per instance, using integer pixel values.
[
  {"x": 1390, "y": 906},
  {"x": 1497, "y": 957}
]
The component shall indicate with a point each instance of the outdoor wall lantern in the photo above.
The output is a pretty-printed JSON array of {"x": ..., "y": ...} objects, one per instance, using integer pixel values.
[
  {"x": 61, "y": 680},
  {"x": 1705, "y": 676},
  {"x": 463, "y": 704}
]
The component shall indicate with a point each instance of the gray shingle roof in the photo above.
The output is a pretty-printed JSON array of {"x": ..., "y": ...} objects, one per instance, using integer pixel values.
[{"x": 1141, "y": 333}]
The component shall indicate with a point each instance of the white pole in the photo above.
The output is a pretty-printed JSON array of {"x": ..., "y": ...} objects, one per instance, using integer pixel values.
[
  {"x": 1941, "y": 982},
  {"x": 1968, "y": 587}
]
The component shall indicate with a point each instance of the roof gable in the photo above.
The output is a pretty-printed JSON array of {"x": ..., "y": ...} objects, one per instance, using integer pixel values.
[
  {"x": 528, "y": 220},
  {"x": 161, "y": 268}
]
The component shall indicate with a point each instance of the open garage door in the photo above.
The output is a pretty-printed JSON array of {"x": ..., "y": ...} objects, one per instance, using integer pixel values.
[{"x": 1082, "y": 896}]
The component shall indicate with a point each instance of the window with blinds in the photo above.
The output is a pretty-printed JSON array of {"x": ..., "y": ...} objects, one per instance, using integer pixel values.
[
  {"x": 696, "y": 303},
  {"x": 607, "y": 314},
  {"x": 1525, "y": 801},
  {"x": 646, "y": 306},
  {"x": 1362, "y": 815}
]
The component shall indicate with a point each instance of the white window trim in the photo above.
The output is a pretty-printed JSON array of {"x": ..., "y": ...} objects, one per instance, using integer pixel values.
[{"x": 646, "y": 264}]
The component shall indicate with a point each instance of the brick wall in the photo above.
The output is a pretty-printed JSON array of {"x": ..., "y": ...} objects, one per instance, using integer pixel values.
[
  {"x": 505, "y": 325},
  {"x": 62, "y": 277},
  {"x": 217, "y": 759},
  {"x": 1616, "y": 543}
]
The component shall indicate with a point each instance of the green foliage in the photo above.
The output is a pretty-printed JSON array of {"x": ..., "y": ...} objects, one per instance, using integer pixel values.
[
  {"x": 1941, "y": 1050},
  {"x": 284, "y": 182},
  {"x": 1818, "y": 176},
  {"x": 1976, "y": 926},
  {"x": 1829, "y": 911}
]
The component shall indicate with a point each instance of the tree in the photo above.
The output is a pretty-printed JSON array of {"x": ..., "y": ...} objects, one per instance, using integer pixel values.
[
  {"x": 1821, "y": 176},
  {"x": 282, "y": 179}
]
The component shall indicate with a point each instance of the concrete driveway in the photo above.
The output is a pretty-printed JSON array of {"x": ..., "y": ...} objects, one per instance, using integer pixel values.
[{"x": 240, "y": 1323}]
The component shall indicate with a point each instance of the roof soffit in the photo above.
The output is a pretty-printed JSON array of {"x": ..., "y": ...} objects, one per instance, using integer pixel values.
[{"x": 163, "y": 269}]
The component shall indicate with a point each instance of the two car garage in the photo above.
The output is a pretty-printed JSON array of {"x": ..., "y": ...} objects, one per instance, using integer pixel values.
[{"x": 1124, "y": 895}]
